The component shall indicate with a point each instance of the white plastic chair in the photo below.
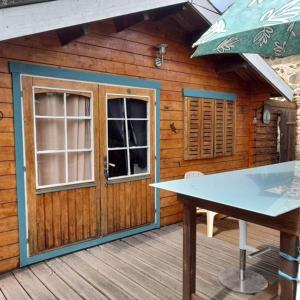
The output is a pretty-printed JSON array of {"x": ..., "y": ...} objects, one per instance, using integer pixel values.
[{"x": 210, "y": 215}]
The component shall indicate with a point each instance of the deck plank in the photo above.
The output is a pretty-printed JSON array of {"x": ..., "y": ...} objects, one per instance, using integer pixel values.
[
  {"x": 82, "y": 287},
  {"x": 11, "y": 288},
  {"x": 57, "y": 286},
  {"x": 132, "y": 288},
  {"x": 134, "y": 274},
  {"x": 100, "y": 282},
  {"x": 144, "y": 266},
  {"x": 32, "y": 285}
]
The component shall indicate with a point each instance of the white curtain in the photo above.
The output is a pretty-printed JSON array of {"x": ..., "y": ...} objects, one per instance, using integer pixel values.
[
  {"x": 79, "y": 138},
  {"x": 50, "y": 135}
]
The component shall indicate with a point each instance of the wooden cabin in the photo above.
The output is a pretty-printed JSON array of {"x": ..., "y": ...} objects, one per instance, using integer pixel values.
[{"x": 91, "y": 114}]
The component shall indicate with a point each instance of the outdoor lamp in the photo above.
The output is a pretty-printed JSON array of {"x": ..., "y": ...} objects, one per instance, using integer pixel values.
[{"x": 159, "y": 60}]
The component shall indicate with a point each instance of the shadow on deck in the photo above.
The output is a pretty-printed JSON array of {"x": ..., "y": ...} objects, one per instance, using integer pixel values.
[{"x": 146, "y": 266}]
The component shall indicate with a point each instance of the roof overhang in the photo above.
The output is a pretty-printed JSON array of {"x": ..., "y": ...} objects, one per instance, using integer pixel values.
[{"x": 36, "y": 18}]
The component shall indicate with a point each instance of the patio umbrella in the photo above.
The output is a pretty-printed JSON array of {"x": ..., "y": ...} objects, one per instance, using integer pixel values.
[{"x": 266, "y": 27}]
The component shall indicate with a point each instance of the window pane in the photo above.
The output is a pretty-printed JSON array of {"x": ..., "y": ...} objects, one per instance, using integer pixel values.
[
  {"x": 79, "y": 134},
  {"x": 51, "y": 168},
  {"x": 115, "y": 108},
  {"x": 117, "y": 163},
  {"x": 50, "y": 134},
  {"x": 137, "y": 133},
  {"x": 49, "y": 104},
  {"x": 80, "y": 166},
  {"x": 136, "y": 108},
  {"x": 138, "y": 161},
  {"x": 116, "y": 133},
  {"x": 78, "y": 105}
]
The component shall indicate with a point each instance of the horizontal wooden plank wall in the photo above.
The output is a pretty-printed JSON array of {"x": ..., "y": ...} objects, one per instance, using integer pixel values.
[
  {"x": 130, "y": 53},
  {"x": 266, "y": 134}
]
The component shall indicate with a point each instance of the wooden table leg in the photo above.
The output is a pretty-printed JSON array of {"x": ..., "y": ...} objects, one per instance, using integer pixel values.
[
  {"x": 189, "y": 251},
  {"x": 288, "y": 244}
]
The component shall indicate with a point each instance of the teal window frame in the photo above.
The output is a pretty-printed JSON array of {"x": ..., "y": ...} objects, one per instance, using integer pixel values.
[{"x": 18, "y": 69}]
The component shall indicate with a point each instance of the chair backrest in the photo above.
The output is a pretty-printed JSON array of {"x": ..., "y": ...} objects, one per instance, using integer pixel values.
[{"x": 191, "y": 174}]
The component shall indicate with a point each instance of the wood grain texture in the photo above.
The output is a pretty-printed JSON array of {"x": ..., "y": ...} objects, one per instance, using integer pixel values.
[{"x": 129, "y": 53}]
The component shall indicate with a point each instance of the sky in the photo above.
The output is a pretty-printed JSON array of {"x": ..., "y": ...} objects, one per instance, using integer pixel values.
[{"x": 221, "y": 5}]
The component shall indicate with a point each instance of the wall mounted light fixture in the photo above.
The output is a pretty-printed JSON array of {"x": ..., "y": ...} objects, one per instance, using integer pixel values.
[{"x": 159, "y": 60}]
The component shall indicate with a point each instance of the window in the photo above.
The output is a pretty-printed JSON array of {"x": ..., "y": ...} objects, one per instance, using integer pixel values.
[
  {"x": 128, "y": 137},
  {"x": 63, "y": 137},
  {"x": 209, "y": 128}
]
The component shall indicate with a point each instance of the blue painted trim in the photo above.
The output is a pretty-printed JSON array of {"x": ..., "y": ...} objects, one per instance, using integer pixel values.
[
  {"x": 287, "y": 276},
  {"x": 100, "y": 78},
  {"x": 289, "y": 257},
  {"x": 86, "y": 244},
  {"x": 18, "y": 128},
  {"x": 17, "y": 70},
  {"x": 187, "y": 92},
  {"x": 66, "y": 188}
]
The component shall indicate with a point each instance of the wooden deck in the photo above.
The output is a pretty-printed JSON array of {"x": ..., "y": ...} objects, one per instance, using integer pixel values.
[{"x": 147, "y": 266}]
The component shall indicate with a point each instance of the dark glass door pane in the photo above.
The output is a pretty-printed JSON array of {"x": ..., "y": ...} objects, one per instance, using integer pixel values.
[
  {"x": 116, "y": 133},
  {"x": 136, "y": 108},
  {"x": 138, "y": 161},
  {"x": 115, "y": 108},
  {"x": 118, "y": 164},
  {"x": 137, "y": 133}
]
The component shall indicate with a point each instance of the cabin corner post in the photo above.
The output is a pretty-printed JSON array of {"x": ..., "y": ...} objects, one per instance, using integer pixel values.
[
  {"x": 189, "y": 248},
  {"x": 288, "y": 267}
]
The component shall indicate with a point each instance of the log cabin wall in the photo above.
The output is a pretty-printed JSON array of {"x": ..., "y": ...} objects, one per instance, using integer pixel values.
[
  {"x": 131, "y": 53},
  {"x": 267, "y": 147}
]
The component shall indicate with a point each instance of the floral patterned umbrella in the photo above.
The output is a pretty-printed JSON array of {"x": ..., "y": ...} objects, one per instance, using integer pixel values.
[{"x": 266, "y": 27}]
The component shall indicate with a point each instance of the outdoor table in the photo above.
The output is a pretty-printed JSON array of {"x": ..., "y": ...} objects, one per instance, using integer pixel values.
[{"x": 268, "y": 196}]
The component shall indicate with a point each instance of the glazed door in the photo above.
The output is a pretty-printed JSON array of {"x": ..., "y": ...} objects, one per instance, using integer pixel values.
[
  {"x": 127, "y": 163},
  {"x": 62, "y": 159}
]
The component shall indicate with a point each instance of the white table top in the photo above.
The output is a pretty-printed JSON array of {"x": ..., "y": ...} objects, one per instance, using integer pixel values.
[{"x": 270, "y": 190}]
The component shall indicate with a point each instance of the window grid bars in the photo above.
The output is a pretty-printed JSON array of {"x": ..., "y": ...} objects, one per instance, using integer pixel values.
[
  {"x": 127, "y": 138},
  {"x": 128, "y": 148},
  {"x": 66, "y": 151}
]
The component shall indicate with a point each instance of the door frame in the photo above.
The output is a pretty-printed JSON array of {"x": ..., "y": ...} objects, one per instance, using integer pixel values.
[{"x": 18, "y": 70}]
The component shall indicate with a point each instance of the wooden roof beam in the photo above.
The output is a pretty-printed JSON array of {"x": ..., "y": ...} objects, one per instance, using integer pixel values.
[{"x": 69, "y": 34}]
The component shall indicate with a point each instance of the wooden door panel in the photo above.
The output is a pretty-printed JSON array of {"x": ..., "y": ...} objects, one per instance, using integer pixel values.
[
  {"x": 65, "y": 216},
  {"x": 128, "y": 202}
]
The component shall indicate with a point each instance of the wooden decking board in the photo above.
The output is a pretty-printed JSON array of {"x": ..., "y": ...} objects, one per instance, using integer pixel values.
[
  {"x": 225, "y": 256},
  {"x": 201, "y": 241},
  {"x": 32, "y": 285},
  {"x": 145, "y": 266},
  {"x": 54, "y": 283},
  {"x": 11, "y": 288},
  {"x": 132, "y": 288},
  {"x": 80, "y": 285},
  {"x": 97, "y": 280},
  {"x": 150, "y": 271},
  {"x": 211, "y": 255},
  {"x": 177, "y": 263},
  {"x": 134, "y": 274}
]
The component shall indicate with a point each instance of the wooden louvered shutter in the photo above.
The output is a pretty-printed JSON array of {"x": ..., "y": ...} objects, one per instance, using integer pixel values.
[
  {"x": 209, "y": 128},
  {"x": 192, "y": 128},
  {"x": 229, "y": 128},
  {"x": 207, "y": 120}
]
